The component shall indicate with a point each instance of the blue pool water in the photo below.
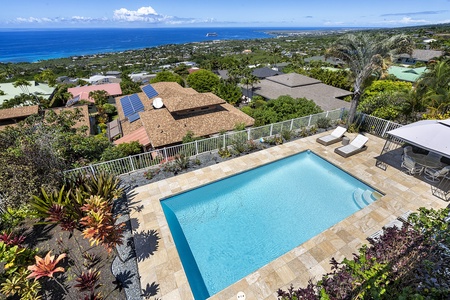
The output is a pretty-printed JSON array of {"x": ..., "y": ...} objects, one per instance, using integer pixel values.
[{"x": 228, "y": 229}]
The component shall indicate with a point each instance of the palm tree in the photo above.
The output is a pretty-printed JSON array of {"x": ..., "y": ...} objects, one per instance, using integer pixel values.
[
  {"x": 364, "y": 55},
  {"x": 23, "y": 84},
  {"x": 434, "y": 85}
]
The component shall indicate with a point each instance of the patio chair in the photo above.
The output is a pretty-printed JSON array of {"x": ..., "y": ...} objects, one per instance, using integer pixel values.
[
  {"x": 434, "y": 175},
  {"x": 357, "y": 145},
  {"x": 412, "y": 168},
  {"x": 334, "y": 137},
  {"x": 434, "y": 157}
]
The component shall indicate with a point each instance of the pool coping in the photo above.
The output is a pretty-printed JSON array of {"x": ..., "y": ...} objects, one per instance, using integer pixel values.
[{"x": 309, "y": 260}]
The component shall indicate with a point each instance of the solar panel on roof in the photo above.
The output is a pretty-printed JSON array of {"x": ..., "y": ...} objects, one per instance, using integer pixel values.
[
  {"x": 131, "y": 105},
  {"x": 149, "y": 91},
  {"x": 136, "y": 103},
  {"x": 133, "y": 117}
]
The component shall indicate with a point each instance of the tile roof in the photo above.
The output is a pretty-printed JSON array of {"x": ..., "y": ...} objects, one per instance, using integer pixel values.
[
  {"x": 265, "y": 72},
  {"x": 18, "y": 112},
  {"x": 113, "y": 89},
  {"x": 423, "y": 55},
  {"x": 293, "y": 80},
  {"x": 139, "y": 135},
  {"x": 299, "y": 86},
  {"x": 164, "y": 128},
  {"x": 84, "y": 121}
]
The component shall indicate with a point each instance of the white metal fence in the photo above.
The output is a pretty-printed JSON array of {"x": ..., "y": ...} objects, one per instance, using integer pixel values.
[
  {"x": 366, "y": 123},
  {"x": 151, "y": 158}
]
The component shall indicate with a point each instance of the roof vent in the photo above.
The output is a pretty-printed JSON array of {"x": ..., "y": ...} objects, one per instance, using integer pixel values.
[{"x": 157, "y": 103}]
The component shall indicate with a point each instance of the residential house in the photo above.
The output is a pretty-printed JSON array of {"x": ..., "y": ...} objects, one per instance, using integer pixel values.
[
  {"x": 165, "y": 112},
  {"x": 12, "y": 116},
  {"x": 264, "y": 72},
  {"x": 85, "y": 119},
  {"x": 406, "y": 74},
  {"x": 35, "y": 88},
  {"x": 331, "y": 60},
  {"x": 300, "y": 86},
  {"x": 82, "y": 92},
  {"x": 419, "y": 55}
]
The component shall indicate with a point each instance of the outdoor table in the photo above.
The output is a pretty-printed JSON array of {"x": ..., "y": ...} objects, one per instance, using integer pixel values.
[{"x": 426, "y": 162}]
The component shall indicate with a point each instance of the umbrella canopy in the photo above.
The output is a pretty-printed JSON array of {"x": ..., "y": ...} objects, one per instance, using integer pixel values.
[{"x": 432, "y": 135}]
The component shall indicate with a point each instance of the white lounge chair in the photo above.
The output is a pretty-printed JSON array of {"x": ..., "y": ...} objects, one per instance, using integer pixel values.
[
  {"x": 334, "y": 137},
  {"x": 357, "y": 145},
  {"x": 412, "y": 168},
  {"x": 434, "y": 175}
]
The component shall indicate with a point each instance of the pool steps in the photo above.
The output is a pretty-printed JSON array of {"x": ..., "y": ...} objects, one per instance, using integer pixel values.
[{"x": 363, "y": 198}]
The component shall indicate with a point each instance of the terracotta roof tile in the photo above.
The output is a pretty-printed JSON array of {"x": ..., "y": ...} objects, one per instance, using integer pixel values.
[
  {"x": 138, "y": 135},
  {"x": 113, "y": 89}
]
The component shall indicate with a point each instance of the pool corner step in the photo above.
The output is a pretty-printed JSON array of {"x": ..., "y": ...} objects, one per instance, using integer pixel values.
[
  {"x": 358, "y": 198},
  {"x": 368, "y": 196}
]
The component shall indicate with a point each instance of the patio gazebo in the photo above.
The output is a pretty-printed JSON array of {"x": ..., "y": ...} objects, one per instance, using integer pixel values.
[{"x": 430, "y": 135}]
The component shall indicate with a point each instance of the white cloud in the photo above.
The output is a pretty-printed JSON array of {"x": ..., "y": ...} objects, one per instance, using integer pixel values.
[
  {"x": 143, "y": 14},
  {"x": 406, "y": 20}
]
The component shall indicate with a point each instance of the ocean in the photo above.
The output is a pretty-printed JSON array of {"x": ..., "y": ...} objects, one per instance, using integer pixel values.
[{"x": 31, "y": 45}]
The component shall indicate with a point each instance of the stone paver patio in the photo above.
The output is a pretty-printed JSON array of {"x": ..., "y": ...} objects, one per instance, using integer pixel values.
[{"x": 310, "y": 259}]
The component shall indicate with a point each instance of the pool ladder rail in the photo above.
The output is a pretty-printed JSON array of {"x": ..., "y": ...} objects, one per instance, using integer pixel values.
[{"x": 363, "y": 198}]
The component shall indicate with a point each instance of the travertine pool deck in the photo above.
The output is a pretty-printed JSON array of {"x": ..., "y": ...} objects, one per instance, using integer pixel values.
[{"x": 163, "y": 269}]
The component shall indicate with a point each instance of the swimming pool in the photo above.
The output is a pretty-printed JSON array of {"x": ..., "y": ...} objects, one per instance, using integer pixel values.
[{"x": 228, "y": 229}]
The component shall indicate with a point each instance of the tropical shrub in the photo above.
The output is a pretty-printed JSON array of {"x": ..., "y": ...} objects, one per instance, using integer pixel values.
[{"x": 407, "y": 263}]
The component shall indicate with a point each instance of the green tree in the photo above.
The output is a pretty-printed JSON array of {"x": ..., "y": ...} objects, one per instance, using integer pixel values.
[
  {"x": 47, "y": 76},
  {"x": 128, "y": 86},
  {"x": 281, "y": 109},
  {"x": 60, "y": 95},
  {"x": 364, "y": 55},
  {"x": 121, "y": 150},
  {"x": 434, "y": 86},
  {"x": 203, "y": 81},
  {"x": 229, "y": 92},
  {"x": 23, "y": 84},
  {"x": 35, "y": 153},
  {"x": 167, "y": 76}
]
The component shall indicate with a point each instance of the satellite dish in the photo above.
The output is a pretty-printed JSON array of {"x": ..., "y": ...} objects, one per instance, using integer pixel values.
[{"x": 157, "y": 103}]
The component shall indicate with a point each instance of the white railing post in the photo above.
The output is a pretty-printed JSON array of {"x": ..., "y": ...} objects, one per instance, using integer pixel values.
[
  {"x": 326, "y": 116},
  {"x": 271, "y": 129},
  {"x": 292, "y": 124},
  {"x": 196, "y": 147},
  {"x": 224, "y": 140},
  {"x": 248, "y": 135},
  {"x": 165, "y": 154},
  {"x": 385, "y": 128},
  {"x": 92, "y": 170},
  {"x": 131, "y": 161},
  {"x": 309, "y": 121}
]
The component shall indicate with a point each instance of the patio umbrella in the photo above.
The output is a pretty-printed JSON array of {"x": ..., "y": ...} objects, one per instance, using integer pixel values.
[{"x": 432, "y": 135}]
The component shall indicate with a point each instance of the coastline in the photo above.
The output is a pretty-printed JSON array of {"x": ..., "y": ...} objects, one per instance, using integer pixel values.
[{"x": 35, "y": 45}]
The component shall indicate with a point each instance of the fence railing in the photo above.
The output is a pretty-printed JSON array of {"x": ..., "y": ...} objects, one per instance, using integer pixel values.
[
  {"x": 367, "y": 123},
  {"x": 154, "y": 157},
  {"x": 375, "y": 125}
]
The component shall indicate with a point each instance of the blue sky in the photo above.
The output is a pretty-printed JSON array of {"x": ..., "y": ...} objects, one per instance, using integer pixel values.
[{"x": 259, "y": 13}]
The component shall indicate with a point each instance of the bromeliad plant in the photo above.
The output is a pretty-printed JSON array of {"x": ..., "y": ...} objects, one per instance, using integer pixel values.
[
  {"x": 47, "y": 267},
  {"x": 99, "y": 224}
]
